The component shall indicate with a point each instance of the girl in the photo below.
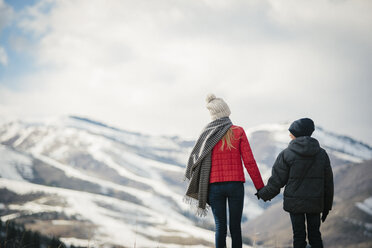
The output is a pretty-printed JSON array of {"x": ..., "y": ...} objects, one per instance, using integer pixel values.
[{"x": 216, "y": 173}]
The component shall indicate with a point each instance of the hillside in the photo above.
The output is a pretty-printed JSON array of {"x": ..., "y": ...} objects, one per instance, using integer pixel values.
[
  {"x": 79, "y": 179},
  {"x": 349, "y": 224},
  {"x": 15, "y": 235}
]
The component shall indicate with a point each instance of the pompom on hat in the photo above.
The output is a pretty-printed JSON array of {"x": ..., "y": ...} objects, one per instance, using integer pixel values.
[
  {"x": 217, "y": 107},
  {"x": 302, "y": 127}
]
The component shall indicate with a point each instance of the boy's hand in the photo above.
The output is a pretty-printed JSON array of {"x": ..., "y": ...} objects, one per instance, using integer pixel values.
[
  {"x": 324, "y": 215},
  {"x": 260, "y": 195}
]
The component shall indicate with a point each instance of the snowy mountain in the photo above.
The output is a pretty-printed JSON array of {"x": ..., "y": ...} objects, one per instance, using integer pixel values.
[
  {"x": 106, "y": 181},
  {"x": 342, "y": 149},
  {"x": 122, "y": 188}
]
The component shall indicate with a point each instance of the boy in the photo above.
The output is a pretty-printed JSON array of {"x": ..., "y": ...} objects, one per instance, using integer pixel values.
[{"x": 305, "y": 171}]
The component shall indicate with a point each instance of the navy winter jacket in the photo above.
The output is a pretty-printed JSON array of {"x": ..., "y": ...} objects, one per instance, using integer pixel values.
[{"x": 305, "y": 171}]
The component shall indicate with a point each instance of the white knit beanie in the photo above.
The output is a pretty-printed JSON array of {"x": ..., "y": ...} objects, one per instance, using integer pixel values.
[{"x": 217, "y": 107}]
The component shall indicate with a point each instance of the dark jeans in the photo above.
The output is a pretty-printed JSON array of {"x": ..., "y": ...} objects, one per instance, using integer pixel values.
[
  {"x": 299, "y": 231},
  {"x": 233, "y": 193}
]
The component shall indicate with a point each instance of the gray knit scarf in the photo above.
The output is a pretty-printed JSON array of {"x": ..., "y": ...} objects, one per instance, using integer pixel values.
[{"x": 199, "y": 164}]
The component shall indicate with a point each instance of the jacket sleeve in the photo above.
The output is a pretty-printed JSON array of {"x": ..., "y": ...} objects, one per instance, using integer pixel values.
[
  {"x": 278, "y": 179},
  {"x": 249, "y": 161},
  {"x": 328, "y": 185}
]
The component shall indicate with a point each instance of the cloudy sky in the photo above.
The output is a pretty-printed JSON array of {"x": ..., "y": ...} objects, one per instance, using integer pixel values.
[{"x": 147, "y": 65}]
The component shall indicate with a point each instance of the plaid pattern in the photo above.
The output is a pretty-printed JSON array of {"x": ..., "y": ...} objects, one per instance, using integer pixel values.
[
  {"x": 200, "y": 161},
  {"x": 227, "y": 164}
]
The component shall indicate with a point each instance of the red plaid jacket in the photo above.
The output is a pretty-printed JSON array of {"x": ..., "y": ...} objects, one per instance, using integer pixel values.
[{"x": 227, "y": 164}]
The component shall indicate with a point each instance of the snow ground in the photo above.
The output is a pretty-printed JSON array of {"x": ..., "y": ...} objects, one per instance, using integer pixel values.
[
  {"x": 88, "y": 206},
  {"x": 14, "y": 165},
  {"x": 366, "y": 205},
  {"x": 54, "y": 140}
]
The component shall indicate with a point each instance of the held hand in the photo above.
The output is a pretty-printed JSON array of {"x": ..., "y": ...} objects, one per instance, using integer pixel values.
[
  {"x": 258, "y": 191},
  {"x": 259, "y": 196},
  {"x": 324, "y": 215}
]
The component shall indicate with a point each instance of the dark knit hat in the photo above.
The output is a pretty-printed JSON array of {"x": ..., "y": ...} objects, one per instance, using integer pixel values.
[{"x": 302, "y": 127}]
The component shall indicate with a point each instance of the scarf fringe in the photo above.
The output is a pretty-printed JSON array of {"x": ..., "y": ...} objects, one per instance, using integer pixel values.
[
  {"x": 201, "y": 212},
  {"x": 194, "y": 205},
  {"x": 189, "y": 200}
]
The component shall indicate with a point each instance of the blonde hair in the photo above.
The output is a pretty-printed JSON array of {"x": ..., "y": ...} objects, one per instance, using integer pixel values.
[{"x": 227, "y": 138}]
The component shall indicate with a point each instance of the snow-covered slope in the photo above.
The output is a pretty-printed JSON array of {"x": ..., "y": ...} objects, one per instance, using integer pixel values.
[
  {"x": 14, "y": 165},
  {"x": 109, "y": 179},
  {"x": 120, "y": 222},
  {"x": 142, "y": 171},
  {"x": 348, "y": 225},
  {"x": 339, "y": 146}
]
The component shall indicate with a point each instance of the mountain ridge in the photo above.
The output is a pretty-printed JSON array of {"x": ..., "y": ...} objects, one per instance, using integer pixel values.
[
  {"x": 129, "y": 169},
  {"x": 347, "y": 225}
]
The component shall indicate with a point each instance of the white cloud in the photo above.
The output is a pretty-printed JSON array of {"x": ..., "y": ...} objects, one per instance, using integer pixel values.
[
  {"x": 6, "y": 14},
  {"x": 6, "y": 17},
  {"x": 3, "y": 56},
  {"x": 148, "y": 65}
]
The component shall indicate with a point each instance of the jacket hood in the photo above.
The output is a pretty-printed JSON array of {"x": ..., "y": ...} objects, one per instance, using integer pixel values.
[{"x": 305, "y": 146}]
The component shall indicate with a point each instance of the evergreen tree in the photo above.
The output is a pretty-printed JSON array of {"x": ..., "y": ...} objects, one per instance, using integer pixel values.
[
  {"x": 27, "y": 239},
  {"x": 11, "y": 232},
  {"x": 36, "y": 240},
  {"x": 54, "y": 243},
  {"x": 13, "y": 235}
]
